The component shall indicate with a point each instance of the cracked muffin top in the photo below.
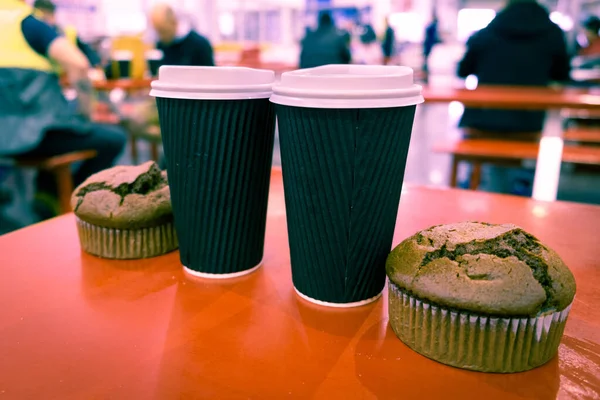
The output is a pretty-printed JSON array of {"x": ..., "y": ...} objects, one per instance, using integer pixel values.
[
  {"x": 489, "y": 269},
  {"x": 124, "y": 197}
]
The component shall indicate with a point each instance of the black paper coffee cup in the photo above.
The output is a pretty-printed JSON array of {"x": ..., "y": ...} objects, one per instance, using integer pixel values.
[
  {"x": 124, "y": 69},
  {"x": 217, "y": 128},
  {"x": 154, "y": 59},
  {"x": 345, "y": 133},
  {"x": 123, "y": 61}
]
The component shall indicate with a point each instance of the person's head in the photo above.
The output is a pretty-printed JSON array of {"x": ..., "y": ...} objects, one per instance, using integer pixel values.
[
  {"x": 368, "y": 35},
  {"x": 325, "y": 20},
  {"x": 591, "y": 27},
  {"x": 46, "y": 11},
  {"x": 511, "y": 2},
  {"x": 165, "y": 23}
]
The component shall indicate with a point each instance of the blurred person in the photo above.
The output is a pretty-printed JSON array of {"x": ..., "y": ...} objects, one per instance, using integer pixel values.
[
  {"x": 367, "y": 33},
  {"x": 432, "y": 38},
  {"x": 325, "y": 45},
  {"x": 367, "y": 50},
  {"x": 45, "y": 10},
  {"x": 180, "y": 46},
  {"x": 346, "y": 29},
  {"x": 591, "y": 29},
  {"x": 35, "y": 118},
  {"x": 523, "y": 47},
  {"x": 520, "y": 47},
  {"x": 588, "y": 58},
  {"x": 388, "y": 46}
]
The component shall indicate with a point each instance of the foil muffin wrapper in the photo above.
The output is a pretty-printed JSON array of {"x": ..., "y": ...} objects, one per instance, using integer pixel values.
[
  {"x": 475, "y": 342},
  {"x": 127, "y": 244}
]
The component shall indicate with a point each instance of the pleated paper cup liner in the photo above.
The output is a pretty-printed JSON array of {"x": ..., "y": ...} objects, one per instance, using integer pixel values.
[
  {"x": 476, "y": 342},
  {"x": 219, "y": 155},
  {"x": 127, "y": 244},
  {"x": 342, "y": 172}
]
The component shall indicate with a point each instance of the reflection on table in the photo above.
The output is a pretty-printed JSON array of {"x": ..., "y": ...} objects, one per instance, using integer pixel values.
[{"x": 84, "y": 327}]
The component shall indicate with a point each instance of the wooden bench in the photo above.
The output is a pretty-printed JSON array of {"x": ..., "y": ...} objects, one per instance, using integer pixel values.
[
  {"x": 504, "y": 152},
  {"x": 579, "y": 115},
  {"x": 60, "y": 167},
  {"x": 141, "y": 129},
  {"x": 583, "y": 134},
  {"x": 150, "y": 135}
]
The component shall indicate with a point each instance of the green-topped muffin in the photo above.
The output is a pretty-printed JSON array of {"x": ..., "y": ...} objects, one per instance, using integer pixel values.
[
  {"x": 479, "y": 296},
  {"x": 125, "y": 213}
]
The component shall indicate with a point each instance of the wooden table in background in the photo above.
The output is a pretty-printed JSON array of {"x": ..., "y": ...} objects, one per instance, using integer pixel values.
[
  {"x": 522, "y": 98},
  {"x": 74, "y": 326},
  {"x": 128, "y": 85},
  {"x": 525, "y": 98},
  {"x": 530, "y": 98},
  {"x": 277, "y": 67},
  {"x": 131, "y": 85}
]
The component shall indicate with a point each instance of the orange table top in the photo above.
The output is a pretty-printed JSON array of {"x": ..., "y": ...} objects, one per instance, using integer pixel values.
[
  {"x": 74, "y": 326},
  {"x": 507, "y": 97}
]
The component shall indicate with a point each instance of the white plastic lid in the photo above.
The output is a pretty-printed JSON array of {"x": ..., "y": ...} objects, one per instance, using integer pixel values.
[
  {"x": 122, "y": 55},
  {"x": 154, "y": 54},
  {"x": 212, "y": 83},
  {"x": 348, "y": 86}
]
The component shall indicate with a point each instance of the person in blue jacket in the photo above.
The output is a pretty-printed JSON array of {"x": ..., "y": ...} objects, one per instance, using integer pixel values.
[
  {"x": 46, "y": 11},
  {"x": 35, "y": 117},
  {"x": 180, "y": 46},
  {"x": 388, "y": 45},
  {"x": 432, "y": 38}
]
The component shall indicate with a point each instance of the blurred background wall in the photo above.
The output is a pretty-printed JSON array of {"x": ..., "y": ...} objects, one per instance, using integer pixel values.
[{"x": 278, "y": 25}]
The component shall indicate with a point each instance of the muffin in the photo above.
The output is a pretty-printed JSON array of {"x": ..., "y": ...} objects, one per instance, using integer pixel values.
[
  {"x": 479, "y": 296},
  {"x": 125, "y": 213}
]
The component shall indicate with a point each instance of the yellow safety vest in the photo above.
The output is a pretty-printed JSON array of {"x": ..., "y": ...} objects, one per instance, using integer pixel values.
[
  {"x": 15, "y": 52},
  {"x": 71, "y": 34}
]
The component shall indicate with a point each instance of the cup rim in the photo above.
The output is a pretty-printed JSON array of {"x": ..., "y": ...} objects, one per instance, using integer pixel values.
[
  {"x": 122, "y": 55},
  {"x": 154, "y": 55},
  {"x": 335, "y": 86},
  {"x": 210, "y": 83}
]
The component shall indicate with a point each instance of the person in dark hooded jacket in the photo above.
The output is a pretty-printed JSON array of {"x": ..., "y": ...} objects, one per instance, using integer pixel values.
[
  {"x": 520, "y": 47},
  {"x": 326, "y": 45}
]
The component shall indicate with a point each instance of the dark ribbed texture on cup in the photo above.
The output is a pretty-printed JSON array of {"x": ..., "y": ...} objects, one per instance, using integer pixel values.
[
  {"x": 342, "y": 173},
  {"x": 219, "y": 156},
  {"x": 124, "y": 69}
]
